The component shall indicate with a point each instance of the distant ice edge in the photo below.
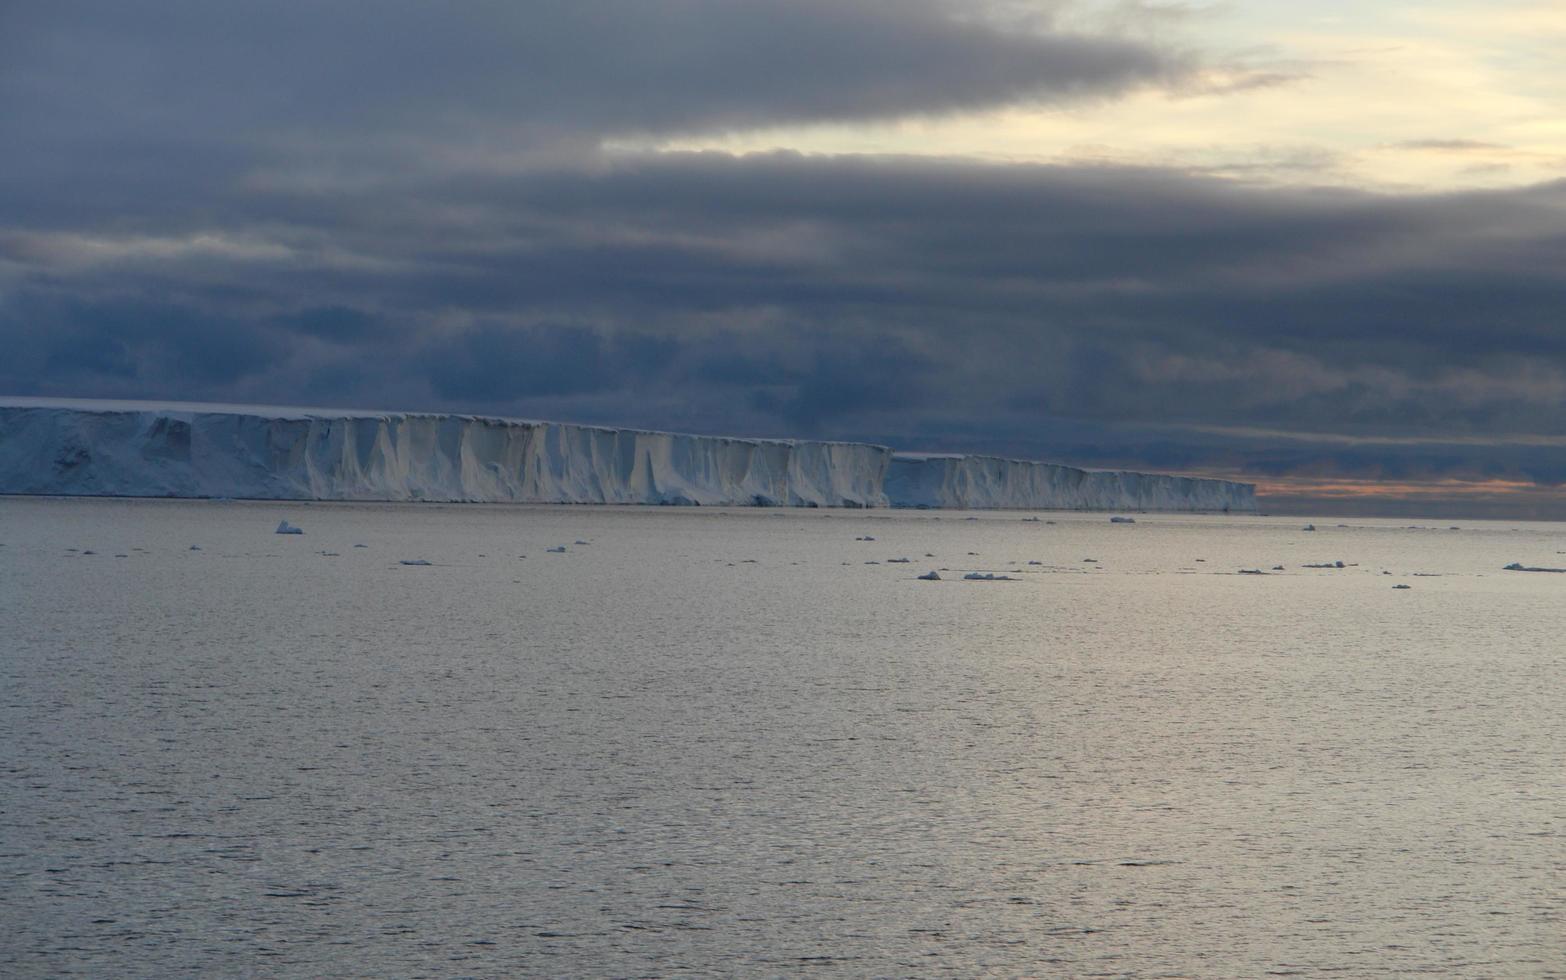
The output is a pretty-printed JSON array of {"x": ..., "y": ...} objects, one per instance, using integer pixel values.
[
  {"x": 993, "y": 482},
  {"x": 140, "y": 450}
]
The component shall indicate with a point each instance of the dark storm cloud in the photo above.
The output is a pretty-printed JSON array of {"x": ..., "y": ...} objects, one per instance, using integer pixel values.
[
  {"x": 173, "y": 77},
  {"x": 849, "y": 295}
]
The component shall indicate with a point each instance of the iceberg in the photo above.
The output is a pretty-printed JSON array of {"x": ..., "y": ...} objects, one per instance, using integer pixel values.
[
  {"x": 147, "y": 449},
  {"x": 926, "y": 480},
  {"x": 140, "y": 449}
]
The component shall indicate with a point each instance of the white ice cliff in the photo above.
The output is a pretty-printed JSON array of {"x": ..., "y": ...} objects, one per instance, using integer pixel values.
[
  {"x": 982, "y": 482},
  {"x": 140, "y": 449}
]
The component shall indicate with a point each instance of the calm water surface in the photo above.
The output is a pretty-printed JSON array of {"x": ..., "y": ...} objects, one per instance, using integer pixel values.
[{"x": 742, "y": 742}]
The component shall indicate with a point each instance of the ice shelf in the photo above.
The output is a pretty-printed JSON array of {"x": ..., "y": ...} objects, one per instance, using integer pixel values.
[
  {"x": 144, "y": 449},
  {"x": 985, "y": 482}
]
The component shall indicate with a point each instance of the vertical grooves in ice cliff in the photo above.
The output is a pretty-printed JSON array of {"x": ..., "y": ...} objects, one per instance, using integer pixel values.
[
  {"x": 140, "y": 450},
  {"x": 191, "y": 451}
]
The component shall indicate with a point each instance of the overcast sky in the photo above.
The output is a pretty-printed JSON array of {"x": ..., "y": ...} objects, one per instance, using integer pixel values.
[{"x": 1318, "y": 246}]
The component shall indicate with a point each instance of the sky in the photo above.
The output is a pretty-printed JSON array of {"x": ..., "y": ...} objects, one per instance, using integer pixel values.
[{"x": 1320, "y": 247}]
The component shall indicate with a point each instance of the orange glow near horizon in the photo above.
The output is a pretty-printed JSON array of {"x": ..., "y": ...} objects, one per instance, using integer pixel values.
[{"x": 1449, "y": 491}]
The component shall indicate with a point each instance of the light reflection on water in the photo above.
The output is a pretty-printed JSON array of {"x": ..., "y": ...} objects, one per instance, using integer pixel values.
[{"x": 717, "y": 742}]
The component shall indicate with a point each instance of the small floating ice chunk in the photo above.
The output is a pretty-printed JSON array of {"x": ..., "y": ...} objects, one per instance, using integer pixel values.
[
  {"x": 195, "y": 547},
  {"x": 1090, "y": 561},
  {"x": 1122, "y": 520},
  {"x": 865, "y": 538},
  {"x": 987, "y": 577},
  {"x": 1252, "y": 571},
  {"x": 899, "y": 561},
  {"x": 930, "y": 576},
  {"x": 580, "y": 541},
  {"x": 1308, "y": 527},
  {"x": 283, "y": 527},
  {"x": 86, "y": 552},
  {"x": 1324, "y": 564},
  {"x": 361, "y": 546},
  {"x": 1400, "y": 586},
  {"x": 414, "y": 561},
  {"x": 1518, "y": 566},
  {"x": 1032, "y": 562},
  {"x": 558, "y": 549}
]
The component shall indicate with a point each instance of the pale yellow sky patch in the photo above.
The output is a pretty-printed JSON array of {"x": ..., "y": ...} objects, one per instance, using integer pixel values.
[{"x": 1368, "y": 94}]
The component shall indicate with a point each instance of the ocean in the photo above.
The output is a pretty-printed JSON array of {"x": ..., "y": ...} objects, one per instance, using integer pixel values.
[{"x": 703, "y": 742}]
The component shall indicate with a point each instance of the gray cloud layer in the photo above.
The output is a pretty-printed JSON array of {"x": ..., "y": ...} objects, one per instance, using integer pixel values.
[
  {"x": 303, "y": 206},
  {"x": 315, "y": 71}
]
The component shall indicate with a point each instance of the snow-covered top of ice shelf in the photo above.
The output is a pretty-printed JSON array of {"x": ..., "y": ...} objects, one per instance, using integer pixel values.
[{"x": 179, "y": 409}]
